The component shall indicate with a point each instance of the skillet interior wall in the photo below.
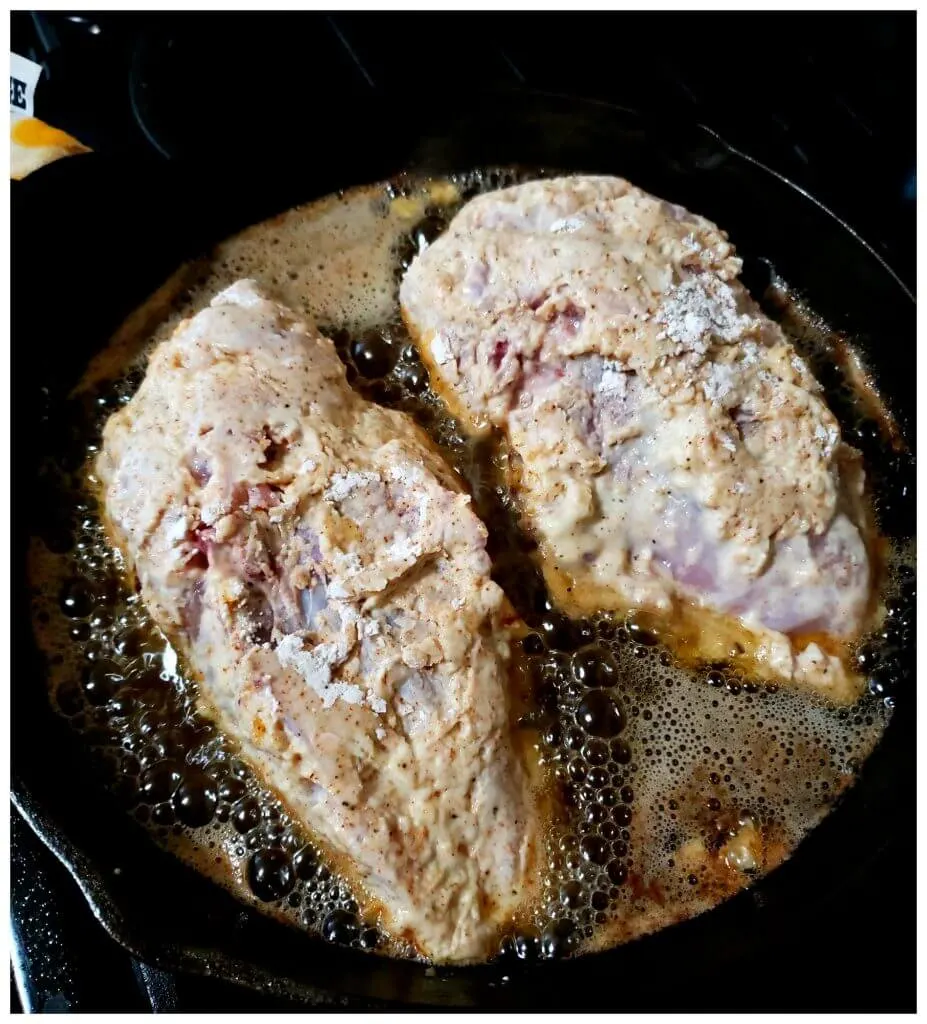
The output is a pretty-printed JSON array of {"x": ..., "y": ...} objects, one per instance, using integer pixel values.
[{"x": 138, "y": 242}]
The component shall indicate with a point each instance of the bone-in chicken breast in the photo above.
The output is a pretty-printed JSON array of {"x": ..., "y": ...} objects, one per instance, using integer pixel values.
[
  {"x": 327, "y": 581},
  {"x": 671, "y": 449}
]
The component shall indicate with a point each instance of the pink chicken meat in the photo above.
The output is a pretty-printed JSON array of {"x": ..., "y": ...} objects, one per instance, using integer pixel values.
[
  {"x": 324, "y": 576},
  {"x": 669, "y": 445}
]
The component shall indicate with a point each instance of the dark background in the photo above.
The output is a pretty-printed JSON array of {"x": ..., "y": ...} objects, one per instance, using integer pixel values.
[{"x": 826, "y": 100}]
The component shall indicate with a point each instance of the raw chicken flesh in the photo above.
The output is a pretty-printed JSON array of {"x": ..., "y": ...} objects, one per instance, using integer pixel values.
[
  {"x": 670, "y": 447},
  {"x": 327, "y": 581}
]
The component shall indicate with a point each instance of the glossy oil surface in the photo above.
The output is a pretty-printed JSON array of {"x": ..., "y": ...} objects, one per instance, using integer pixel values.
[{"x": 678, "y": 786}]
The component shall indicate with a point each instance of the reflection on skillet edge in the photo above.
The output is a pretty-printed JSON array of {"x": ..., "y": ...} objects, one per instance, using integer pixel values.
[{"x": 704, "y": 781}]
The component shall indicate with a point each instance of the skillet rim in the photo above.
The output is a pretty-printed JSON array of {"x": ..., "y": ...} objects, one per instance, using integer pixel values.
[{"x": 216, "y": 962}]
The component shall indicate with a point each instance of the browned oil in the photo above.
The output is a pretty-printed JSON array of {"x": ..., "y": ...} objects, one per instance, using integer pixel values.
[{"x": 678, "y": 787}]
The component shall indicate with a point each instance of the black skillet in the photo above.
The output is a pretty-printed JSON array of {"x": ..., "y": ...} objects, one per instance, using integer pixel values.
[{"x": 92, "y": 236}]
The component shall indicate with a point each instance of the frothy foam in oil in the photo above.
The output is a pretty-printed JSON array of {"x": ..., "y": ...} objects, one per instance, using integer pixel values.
[{"x": 678, "y": 787}]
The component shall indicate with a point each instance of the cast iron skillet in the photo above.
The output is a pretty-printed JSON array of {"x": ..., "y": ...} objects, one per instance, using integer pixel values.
[{"x": 94, "y": 235}]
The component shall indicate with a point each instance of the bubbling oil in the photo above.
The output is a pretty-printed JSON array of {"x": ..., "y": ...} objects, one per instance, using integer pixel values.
[{"x": 677, "y": 787}]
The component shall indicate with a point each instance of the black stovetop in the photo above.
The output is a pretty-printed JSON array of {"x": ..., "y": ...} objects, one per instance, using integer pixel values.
[{"x": 826, "y": 100}]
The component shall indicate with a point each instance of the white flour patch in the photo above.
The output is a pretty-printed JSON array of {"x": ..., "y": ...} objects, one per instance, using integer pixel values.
[
  {"x": 378, "y": 704},
  {"x": 315, "y": 666},
  {"x": 694, "y": 314},
  {"x": 614, "y": 380},
  {"x": 347, "y": 565},
  {"x": 403, "y": 549},
  {"x": 343, "y": 484},
  {"x": 567, "y": 224},
  {"x": 721, "y": 381},
  {"x": 177, "y": 531}
]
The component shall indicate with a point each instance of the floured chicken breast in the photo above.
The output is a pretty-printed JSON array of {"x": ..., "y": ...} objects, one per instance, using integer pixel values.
[
  {"x": 326, "y": 579},
  {"x": 672, "y": 453}
]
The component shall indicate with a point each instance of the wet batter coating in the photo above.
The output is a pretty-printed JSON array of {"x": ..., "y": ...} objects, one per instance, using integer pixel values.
[
  {"x": 670, "y": 444},
  {"x": 325, "y": 577}
]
